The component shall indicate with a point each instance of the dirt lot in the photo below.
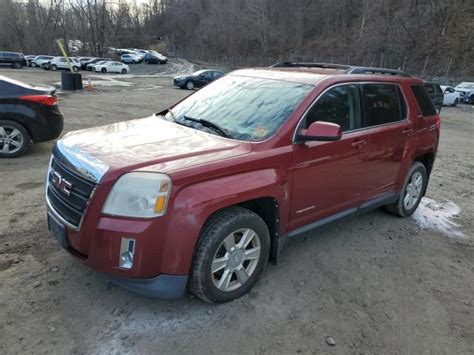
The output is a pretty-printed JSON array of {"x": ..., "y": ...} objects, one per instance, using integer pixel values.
[{"x": 376, "y": 284}]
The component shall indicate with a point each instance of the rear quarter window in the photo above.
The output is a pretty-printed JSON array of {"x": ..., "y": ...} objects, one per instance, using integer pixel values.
[{"x": 421, "y": 95}]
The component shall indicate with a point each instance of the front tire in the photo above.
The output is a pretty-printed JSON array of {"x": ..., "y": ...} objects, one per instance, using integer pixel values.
[
  {"x": 75, "y": 69},
  {"x": 124, "y": 71},
  {"x": 14, "y": 139},
  {"x": 455, "y": 103},
  {"x": 53, "y": 67},
  {"x": 231, "y": 254},
  {"x": 412, "y": 192}
]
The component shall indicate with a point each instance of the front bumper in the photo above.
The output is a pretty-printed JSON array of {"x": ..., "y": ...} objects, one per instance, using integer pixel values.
[{"x": 162, "y": 286}]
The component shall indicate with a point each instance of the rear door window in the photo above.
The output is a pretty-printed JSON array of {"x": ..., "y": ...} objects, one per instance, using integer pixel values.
[
  {"x": 421, "y": 95},
  {"x": 383, "y": 103}
]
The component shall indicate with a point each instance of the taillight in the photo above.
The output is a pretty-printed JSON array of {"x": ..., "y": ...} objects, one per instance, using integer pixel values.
[{"x": 48, "y": 100}]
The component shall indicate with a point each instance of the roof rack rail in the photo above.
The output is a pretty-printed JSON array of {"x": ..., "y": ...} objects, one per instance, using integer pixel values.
[
  {"x": 349, "y": 69},
  {"x": 310, "y": 65},
  {"x": 371, "y": 70}
]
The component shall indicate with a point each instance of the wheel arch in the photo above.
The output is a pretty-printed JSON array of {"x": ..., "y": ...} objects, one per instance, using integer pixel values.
[
  {"x": 21, "y": 123},
  {"x": 427, "y": 160},
  {"x": 268, "y": 209},
  {"x": 262, "y": 192}
]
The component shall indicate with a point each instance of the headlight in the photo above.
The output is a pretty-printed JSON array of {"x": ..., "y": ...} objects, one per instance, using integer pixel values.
[{"x": 139, "y": 194}]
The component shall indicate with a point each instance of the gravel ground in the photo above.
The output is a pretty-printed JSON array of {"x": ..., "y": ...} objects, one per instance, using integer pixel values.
[{"x": 375, "y": 283}]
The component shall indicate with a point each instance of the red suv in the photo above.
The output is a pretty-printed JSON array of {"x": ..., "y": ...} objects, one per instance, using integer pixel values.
[{"x": 202, "y": 195}]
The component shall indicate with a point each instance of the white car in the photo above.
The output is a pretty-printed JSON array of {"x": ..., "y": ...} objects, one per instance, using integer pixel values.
[
  {"x": 451, "y": 97},
  {"x": 40, "y": 59},
  {"x": 141, "y": 52},
  {"x": 131, "y": 58},
  {"x": 466, "y": 90},
  {"x": 61, "y": 63},
  {"x": 93, "y": 65},
  {"x": 112, "y": 67}
]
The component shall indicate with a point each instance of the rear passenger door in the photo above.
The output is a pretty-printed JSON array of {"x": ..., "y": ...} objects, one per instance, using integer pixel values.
[{"x": 386, "y": 121}]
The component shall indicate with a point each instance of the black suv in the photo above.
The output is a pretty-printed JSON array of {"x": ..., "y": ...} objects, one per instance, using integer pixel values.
[{"x": 13, "y": 59}]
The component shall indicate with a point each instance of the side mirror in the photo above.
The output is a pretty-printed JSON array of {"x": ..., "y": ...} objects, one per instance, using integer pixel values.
[{"x": 320, "y": 131}]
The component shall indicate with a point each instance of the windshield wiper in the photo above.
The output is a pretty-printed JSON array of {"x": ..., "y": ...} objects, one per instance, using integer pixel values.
[{"x": 216, "y": 128}]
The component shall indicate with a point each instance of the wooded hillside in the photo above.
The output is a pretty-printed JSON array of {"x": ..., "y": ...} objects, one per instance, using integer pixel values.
[{"x": 429, "y": 37}]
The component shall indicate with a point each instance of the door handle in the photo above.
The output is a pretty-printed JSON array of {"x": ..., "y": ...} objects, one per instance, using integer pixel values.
[
  {"x": 432, "y": 128},
  {"x": 359, "y": 144},
  {"x": 408, "y": 132}
]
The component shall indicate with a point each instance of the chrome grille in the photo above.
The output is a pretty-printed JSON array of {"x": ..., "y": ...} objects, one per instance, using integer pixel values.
[{"x": 68, "y": 205}]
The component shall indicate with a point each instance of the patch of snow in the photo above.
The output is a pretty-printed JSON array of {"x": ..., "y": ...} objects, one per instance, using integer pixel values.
[
  {"x": 106, "y": 81},
  {"x": 431, "y": 214}
]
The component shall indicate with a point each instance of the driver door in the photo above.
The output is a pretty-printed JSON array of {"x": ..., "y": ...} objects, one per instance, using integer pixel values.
[
  {"x": 203, "y": 79},
  {"x": 329, "y": 177}
]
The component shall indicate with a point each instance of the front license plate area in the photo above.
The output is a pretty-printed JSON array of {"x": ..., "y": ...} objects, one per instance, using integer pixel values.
[{"x": 58, "y": 231}]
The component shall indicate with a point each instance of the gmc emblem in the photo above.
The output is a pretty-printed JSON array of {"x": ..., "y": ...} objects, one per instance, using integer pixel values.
[{"x": 60, "y": 183}]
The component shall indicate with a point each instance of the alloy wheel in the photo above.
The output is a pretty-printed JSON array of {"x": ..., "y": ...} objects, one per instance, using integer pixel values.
[
  {"x": 413, "y": 190},
  {"x": 11, "y": 140},
  {"x": 236, "y": 259}
]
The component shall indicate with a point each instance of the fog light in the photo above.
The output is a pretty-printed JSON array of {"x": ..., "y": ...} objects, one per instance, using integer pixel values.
[{"x": 127, "y": 250}]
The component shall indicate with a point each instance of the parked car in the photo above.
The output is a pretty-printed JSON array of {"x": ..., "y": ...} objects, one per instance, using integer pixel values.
[
  {"x": 61, "y": 63},
  {"x": 466, "y": 90},
  {"x": 436, "y": 95},
  {"x": 451, "y": 96},
  {"x": 40, "y": 59},
  {"x": 12, "y": 59},
  {"x": 151, "y": 58},
  {"x": 84, "y": 59},
  {"x": 202, "y": 194},
  {"x": 45, "y": 65},
  {"x": 197, "y": 79},
  {"x": 27, "y": 114},
  {"x": 131, "y": 58},
  {"x": 29, "y": 58},
  {"x": 141, "y": 52},
  {"x": 112, "y": 67},
  {"x": 89, "y": 64}
]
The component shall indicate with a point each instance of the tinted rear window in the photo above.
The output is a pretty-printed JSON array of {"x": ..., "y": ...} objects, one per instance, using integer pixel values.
[
  {"x": 424, "y": 100},
  {"x": 383, "y": 104}
]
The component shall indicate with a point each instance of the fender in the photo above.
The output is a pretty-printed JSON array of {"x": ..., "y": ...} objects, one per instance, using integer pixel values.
[{"x": 194, "y": 204}]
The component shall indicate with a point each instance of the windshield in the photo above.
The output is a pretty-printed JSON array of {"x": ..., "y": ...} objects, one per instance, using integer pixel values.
[
  {"x": 250, "y": 109},
  {"x": 466, "y": 85}
]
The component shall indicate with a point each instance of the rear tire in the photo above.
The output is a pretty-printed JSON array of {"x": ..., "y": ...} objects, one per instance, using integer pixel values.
[
  {"x": 34, "y": 65},
  {"x": 412, "y": 191},
  {"x": 231, "y": 254},
  {"x": 17, "y": 65},
  {"x": 75, "y": 69},
  {"x": 14, "y": 139},
  {"x": 103, "y": 70},
  {"x": 455, "y": 103}
]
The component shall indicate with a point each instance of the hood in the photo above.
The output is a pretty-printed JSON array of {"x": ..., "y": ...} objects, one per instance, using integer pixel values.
[
  {"x": 465, "y": 90},
  {"x": 181, "y": 77},
  {"x": 143, "y": 143}
]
